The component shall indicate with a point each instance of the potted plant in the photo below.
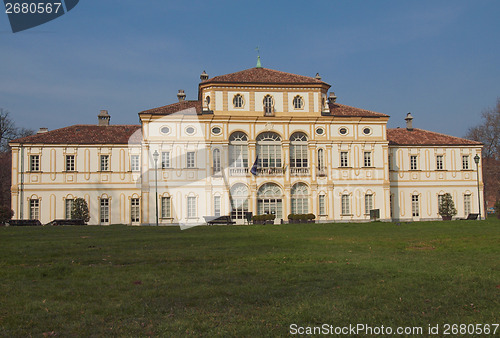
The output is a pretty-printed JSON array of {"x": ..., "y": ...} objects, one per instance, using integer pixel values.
[
  {"x": 447, "y": 208},
  {"x": 497, "y": 208}
]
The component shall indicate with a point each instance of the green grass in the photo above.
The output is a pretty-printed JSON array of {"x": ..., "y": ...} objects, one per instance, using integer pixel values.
[{"x": 246, "y": 280}]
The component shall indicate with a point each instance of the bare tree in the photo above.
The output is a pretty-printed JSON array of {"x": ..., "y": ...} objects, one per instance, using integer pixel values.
[
  {"x": 8, "y": 132},
  {"x": 489, "y": 134}
]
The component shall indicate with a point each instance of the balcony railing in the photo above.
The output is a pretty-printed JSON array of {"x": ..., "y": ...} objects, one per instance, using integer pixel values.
[
  {"x": 238, "y": 171},
  {"x": 271, "y": 171},
  {"x": 299, "y": 171}
]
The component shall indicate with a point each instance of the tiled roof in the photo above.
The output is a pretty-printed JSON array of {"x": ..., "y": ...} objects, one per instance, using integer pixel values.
[
  {"x": 182, "y": 106},
  {"x": 264, "y": 76},
  {"x": 347, "y": 111},
  {"x": 419, "y": 137},
  {"x": 83, "y": 134}
]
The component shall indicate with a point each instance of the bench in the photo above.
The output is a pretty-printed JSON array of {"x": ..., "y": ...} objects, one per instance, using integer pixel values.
[
  {"x": 23, "y": 222},
  {"x": 66, "y": 222},
  {"x": 211, "y": 220},
  {"x": 472, "y": 217}
]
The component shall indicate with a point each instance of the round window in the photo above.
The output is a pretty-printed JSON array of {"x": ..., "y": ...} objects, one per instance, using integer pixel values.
[
  {"x": 343, "y": 131},
  {"x": 320, "y": 131},
  {"x": 190, "y": 130},
  {"x": 165, "y": 130},
  {"x": 216, "y": 130},
  {"x": 367, "y": 131}
]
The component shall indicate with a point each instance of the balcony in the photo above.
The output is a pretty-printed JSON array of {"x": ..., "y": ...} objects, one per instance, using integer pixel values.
[
  {"x": 238, "y": 171},
  {"x": 299, "y": 171},
  {"x": 278, "y": 171}
]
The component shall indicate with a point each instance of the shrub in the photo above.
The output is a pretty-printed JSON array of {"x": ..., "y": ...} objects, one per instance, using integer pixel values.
[
  {"x": 6, "y": 214},
  {"x": 497, "y": 207},
  {"x": 311, "y": 216},
  {"x": 447, "y": 207},
  {"x": 80, "y": 210}
]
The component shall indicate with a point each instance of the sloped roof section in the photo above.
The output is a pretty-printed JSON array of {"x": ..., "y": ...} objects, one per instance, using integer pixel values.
[
  {"x": 341, "y": 110},
  {"x": 83, "y": 134},
  {"x": 419, "y": 137},
  {"x": 264, "y": 76},
  {"x": 187, "y": 107}
]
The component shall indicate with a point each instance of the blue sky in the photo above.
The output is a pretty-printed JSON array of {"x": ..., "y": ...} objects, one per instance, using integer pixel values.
[{"x": 439, "y": 60}]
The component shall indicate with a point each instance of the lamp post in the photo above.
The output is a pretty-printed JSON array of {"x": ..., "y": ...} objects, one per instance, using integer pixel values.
[
  {"x": 476, "y": 159},
  {"x": 155, "y": 157}
]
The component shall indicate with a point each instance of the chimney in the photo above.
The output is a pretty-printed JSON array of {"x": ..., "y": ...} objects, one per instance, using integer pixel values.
[
  {"x": 317, "y": 77},
  {"x": 409, "y": 119},
  {"x": 180, "y": 95},
  {"x": 332, "y": 98},
  {"x": 42, "y": 130},
  {"x": 103, "y": 118},
  {"x": 204, "y": 76}
]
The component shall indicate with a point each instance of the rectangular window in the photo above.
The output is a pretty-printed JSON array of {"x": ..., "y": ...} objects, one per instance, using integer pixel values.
[
  {"x": 467, "y": 205},
  {"x": 465, "y": 162},
  {"x": 191, "y": 207},
  {"x": 368, "y": 203},
  {"x": 389, "y": 162},
  {"x": 165, "y": 207},
  {"x": 35, "y": 163},
  {"x": 135, "y": 163},
  {"x": 368, "y": 159},
  {"x": 165, "y": 159},
  {"x": 413, "y": 162},
  {"x": 104, "y": 210},
  {"x": 415, "y": 206},
  {"x": 345, "y": 205},
  {"x": 70, "y": 162},
  {"x": 34, "y": 209},
  {"x": 69, "y": 207},
  {"x": 216, "y": 205},
  {"x": 239, "y": 207},
  {"x": 134, "y": 210},
  {"x": 343, "y": 159},
  {"x": 322, "y": 205},
  {"x": 299, "y": 205},
  {"x": 104, "y": 162},
  {"x": 190, "y": 159},
  {"x": 439, "y": 162},
  {"x": 440, "y": 200}
]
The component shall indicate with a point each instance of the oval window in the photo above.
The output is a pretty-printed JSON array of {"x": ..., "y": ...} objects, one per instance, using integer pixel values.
[
  {"x": 367, "y": 131},
  {"x": 165, "y": 130},
  {"x": 216, "y": 130},
  {"x": 343, "y": 131},
  {"x": 320, "y": 131},
  {"x": 190, "y": 130}
]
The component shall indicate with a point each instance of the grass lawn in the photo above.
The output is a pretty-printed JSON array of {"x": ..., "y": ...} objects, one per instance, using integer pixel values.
[{"x": 246, "y": 280}]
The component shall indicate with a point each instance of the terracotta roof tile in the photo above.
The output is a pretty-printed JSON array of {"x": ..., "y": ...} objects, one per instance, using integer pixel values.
[
  {"x": 347, "y": 111},
  {"x": 83, "y": 134},
  {"x": 264, "y": 76},
  {"x": 419, "y": 137},
  {"x": 187, "y": 106}
]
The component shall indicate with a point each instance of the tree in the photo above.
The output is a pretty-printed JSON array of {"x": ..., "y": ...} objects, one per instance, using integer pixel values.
[
  {"x": 488, "y": 133},
  {"x": 6, "y": 213},
  {"x": 447, "y": 207},
  {"x": 8, "y": 132},
  {"x": 80, "y": 210}
]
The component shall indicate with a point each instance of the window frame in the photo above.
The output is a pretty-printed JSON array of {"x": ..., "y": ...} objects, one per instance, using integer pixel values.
[
  {"x": 368, "y": 203},
  {"x": 322, "y": 205},
  {"x": 238, "y": 101},
  {"x": 68, "y": 207},
  {"x": 70, "y": 163},
  {"x": 439, "y": 162},
  {"x": 135, "y": 162},
  {"x": 104, "y": 210},
  {"x": 34, "y": 162},
  {"x": 465, "y": 162},
  {"x": 298, "y": 102},
  {"x": 415, "y": 205},
  {"x": 35, "y": 208},
  {"x": 413, "y": 162},
  {"x": 367, "y": 157},
  {"x": 345, "y": 205},
  {"x": 344, "y": 159},
  {"x": 165, "y": 159},
  {"x": 135, "y": 210},
  {"x": 191, "y": 207},
  {"x": 190, "y": 160},
  {"x": 104, "y": 163},
  {"x": 166, "y": 207}
]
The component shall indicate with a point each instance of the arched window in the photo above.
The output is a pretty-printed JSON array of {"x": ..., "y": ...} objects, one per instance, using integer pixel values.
[
  {"x": 268, "y": 105},
  {"x": 269, "y": 150},
  {"x": 298, "y": 102},
  {"x": 216, "y": 161},
  {"x": 298, "y": 150},
  {"x": 300, "y": 195},
  {"x": 238, "y": 150},
  {"x": 270, "y": 200},
  {"x": 239, "y": 201},
  {"x": 238, "y": 101}
]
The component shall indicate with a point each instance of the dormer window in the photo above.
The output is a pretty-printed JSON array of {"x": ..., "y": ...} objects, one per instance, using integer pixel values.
[
  {"x": 238, "y": 101},
  {"x": 268, "y": 105},
  {"x": 298, "y": 102}
]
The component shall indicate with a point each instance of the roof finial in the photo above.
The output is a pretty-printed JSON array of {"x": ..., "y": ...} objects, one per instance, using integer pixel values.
[{"x": 259, "y": 65}]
